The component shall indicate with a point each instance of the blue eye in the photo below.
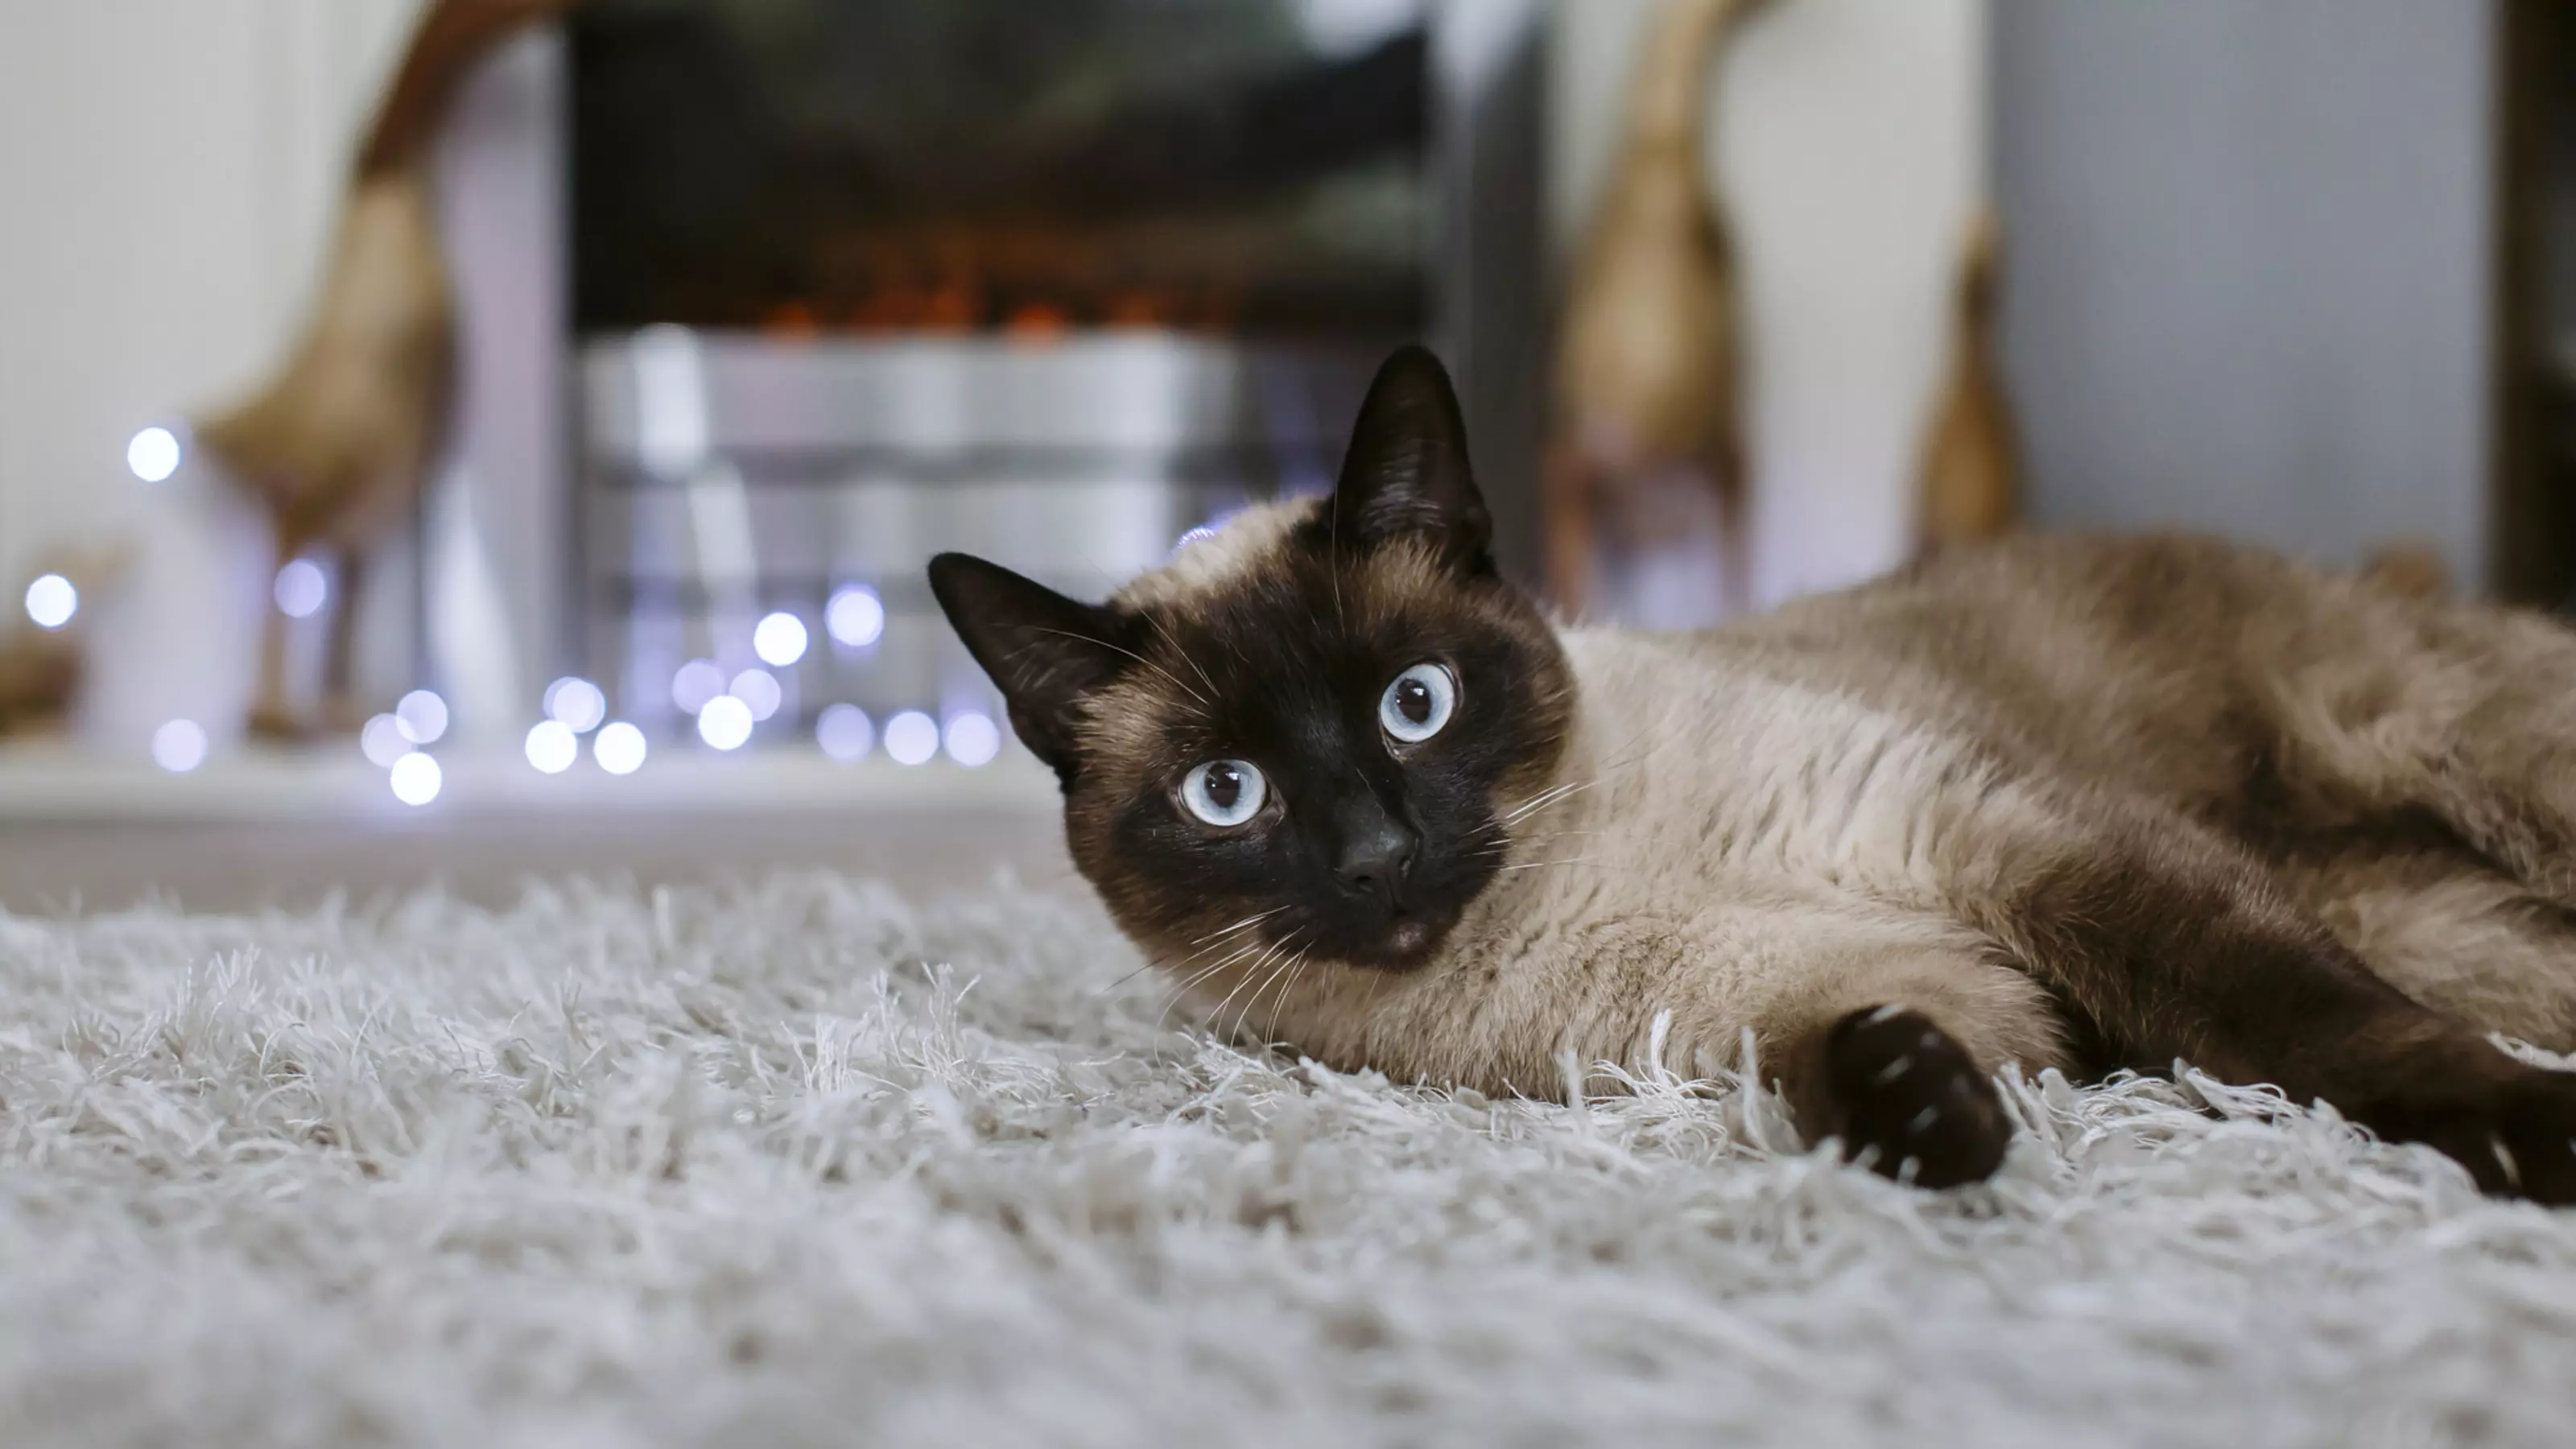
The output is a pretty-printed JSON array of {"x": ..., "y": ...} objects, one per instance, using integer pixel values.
[
  {"x": 1418, "y": 703},
  {"x": 1225, "y": 792}
]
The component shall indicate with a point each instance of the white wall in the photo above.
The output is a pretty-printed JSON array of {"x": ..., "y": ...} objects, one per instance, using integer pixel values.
[
  {"x": 2252, "y": 267},
  {"x": 1849, "y": 141},
  {"x": 167, "y": 171}
]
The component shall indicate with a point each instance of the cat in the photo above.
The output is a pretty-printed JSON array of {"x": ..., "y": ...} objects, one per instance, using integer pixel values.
[{"x": 2048, "y": 802}]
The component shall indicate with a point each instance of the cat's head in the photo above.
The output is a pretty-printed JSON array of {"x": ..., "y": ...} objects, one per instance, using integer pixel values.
[{"x": 1306, "y": 730}]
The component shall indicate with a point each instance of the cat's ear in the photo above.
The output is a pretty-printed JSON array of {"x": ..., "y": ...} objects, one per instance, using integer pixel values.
[
  {"x": 1406, "y": 474},
  {"x": 1045, "y": 652}
]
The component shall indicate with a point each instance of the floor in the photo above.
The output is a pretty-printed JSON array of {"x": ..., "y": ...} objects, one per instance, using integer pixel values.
[{"x": 80, "y": 833}]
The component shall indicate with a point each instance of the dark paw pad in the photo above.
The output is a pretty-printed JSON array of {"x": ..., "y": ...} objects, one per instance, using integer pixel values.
[
  {"x": 1909, "y": 1100},
  {"x": 2516, "y": 1135}
]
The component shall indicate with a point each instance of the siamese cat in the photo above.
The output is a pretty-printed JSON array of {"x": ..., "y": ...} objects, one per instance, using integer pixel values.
[{"x": 2060, "y": 802}]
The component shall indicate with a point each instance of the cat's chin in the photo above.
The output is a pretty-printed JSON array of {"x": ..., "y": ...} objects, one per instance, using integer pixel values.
[{"x": 1408, "y": 942}]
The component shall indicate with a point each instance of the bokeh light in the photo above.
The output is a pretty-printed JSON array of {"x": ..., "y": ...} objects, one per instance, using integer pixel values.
[
  {"x": 153, "y": 454},
  {"x": 179, "y": 746},
  {"x": 759, "y": 689},
  {"x": 725, "y": 723},
  {"x": 856, "y": 616},
  {"x": 51, "y": 601},
  {"x": 422, "y": 717},
  {"x": 845, "y": 732},
  {"x": 698, "y": 681},
  {"x": 383, "y": 741},
  {"x": 619, "y": 748},
  {"x": 577, "y": 704},
  {"x": 301, "y": 589},
  {"x": 416, "y": 779},
  {"x": 552, "y": 746},
  {"x": 973, "y": 739},
  {"x": 780, "y": 640},
  {"x": 912, "y": 737}
]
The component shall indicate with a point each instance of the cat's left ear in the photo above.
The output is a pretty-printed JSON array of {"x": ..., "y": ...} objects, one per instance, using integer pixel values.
[
  {"x": 1406, "y": 473},
  {"x": 1047, "y": 654}
]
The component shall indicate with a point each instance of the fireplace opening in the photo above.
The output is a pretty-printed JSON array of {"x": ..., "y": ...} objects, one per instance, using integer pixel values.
[
  {"x": 807, "y": 168},
  {"x": 1061, "y": 284}
]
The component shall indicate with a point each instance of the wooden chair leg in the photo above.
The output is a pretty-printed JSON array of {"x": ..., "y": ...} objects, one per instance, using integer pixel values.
[
  {"x": 1572, "y": 503},
  {"x": 343, "y": 710},
  {"x": 273, "y": 714}
]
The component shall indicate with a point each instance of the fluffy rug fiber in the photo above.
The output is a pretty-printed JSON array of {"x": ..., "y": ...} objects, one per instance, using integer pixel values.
[{"x": 809, "y": 1163}]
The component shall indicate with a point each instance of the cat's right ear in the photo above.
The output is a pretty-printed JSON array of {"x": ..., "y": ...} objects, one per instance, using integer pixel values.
[{"x": 1045, "y": 652}]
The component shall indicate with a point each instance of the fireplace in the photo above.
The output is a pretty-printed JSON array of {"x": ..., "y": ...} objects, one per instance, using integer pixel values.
[{"x": 855, "y": 281}]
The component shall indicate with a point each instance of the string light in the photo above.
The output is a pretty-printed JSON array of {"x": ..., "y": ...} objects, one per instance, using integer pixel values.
[
  {"x": 973, "y": 740},
  {"x": 912, "y": 737},
  {"x": 856, "y": 616},
  {"x": 422, "y": 717},
  {"x": 759, "y": 689},
  {"x": 845, "y": 733},
  {"x": 698, "y": 681},
  {"x": 416, "y": 779},
  {"x": 577, "y": 704},
  {"x": 619, "y": 748},
  {"x": 179, "y": 746},
  {"x": 301, "y": 589},
  {"x": 51, "y": 601},
  {"x": 725, "y": 723},
  {"x": 153, "y": 454},
  {"x": 552, "y": 746},
  {"x": 383, "y": 741},
  {"x": 780, "y": 640}
]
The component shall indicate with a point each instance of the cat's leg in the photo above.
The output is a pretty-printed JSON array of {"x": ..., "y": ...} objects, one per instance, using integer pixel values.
[
  {"x": 1901, "y": 1069},
  {"x": 1886, "y": 1032},
  {"x": 2451, "y": 930},
  {"x": 2172, "y": 943},
  {"x": 2472, "y": 723}
]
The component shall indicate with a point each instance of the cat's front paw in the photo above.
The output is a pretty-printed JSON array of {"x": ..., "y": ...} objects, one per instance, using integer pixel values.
[
  {"x": 1909, "y": 1100},
  {"x": 2515, "y": 1131}
]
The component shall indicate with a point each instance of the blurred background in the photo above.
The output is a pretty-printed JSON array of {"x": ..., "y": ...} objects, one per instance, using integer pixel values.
[{"x": 450, "y": 439}]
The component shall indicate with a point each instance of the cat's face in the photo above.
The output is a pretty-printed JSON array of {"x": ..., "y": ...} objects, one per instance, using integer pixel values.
[{"x": 1305, "y": 732}]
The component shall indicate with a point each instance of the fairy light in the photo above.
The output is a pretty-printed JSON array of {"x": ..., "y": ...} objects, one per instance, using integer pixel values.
[
  {"x": 416, "y": 779},
  {"x": 698, "y": 681},
  {"x": 153, "y": 454},
  {"x": 911, "y": 738},
  {"x": 725, "y": 722},
  {"x": 856, "y": 616},
  {"x": 973, "y": 739},
  {"x": 552, "y": 746},
  {"x": 382, "y": 741},
  {"x": 301, "y": 589},
  {"x": 759, "y": 689},
  {"x": 51, "y": 601},
  {"x": 422, "y": 717},
  {"x": 845, "y": 733},
  {"x": 179, "y": 746},
  {"x": 577, "y": 704},
  {"x": 779, "y": 640},
  {"x": 619, "y": 748}
]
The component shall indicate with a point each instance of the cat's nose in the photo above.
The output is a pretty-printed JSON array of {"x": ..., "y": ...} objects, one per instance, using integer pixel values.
[{"x": 1374, "y": 861}]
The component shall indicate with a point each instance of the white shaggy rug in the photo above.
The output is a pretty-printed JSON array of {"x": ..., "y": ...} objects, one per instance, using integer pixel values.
[{"x": 812, "y": 1164}]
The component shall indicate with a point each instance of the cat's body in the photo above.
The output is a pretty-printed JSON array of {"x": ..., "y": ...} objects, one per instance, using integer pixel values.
[{"x": 2054, "y": 802}]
